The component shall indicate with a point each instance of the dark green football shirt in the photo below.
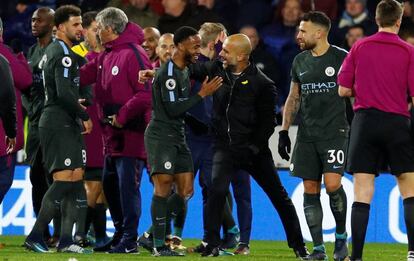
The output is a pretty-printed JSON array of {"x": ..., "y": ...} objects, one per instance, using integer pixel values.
[
  {"x": 34, "y": 98},
  {"x": 322, "y": 111},
  {"x": 61, "y": 83},
  {"x": 170, "y": 101}
]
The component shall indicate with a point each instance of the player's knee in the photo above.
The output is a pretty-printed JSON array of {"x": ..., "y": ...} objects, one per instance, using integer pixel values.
[
  {"x": 162, "y": 192},
  {"x": 311, "y": 186},
  {"x": 186, "y": 193},
  {"x": 332, "y": 186}
]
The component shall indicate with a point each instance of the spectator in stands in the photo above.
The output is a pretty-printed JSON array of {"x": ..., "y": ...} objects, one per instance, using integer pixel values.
[
  {"x": 93, "y": 5},
  {"x": 355, "y": 32},
  {"x": 263, "y": 59},
  {"x": 355, "y": 13},
  {"x": 408, "y": 35},
  {"x": 18, "y": 32},
  {"x": 329, "y": 7},
  {"x": 183, "y": 12},
  {"x": 138, "y": 11},
  {"x": 408, "y": 15},
  {"x": 209, "y": 4},
  {"x": 256, "y": 13},
  {"x": 280, "y": 40}
]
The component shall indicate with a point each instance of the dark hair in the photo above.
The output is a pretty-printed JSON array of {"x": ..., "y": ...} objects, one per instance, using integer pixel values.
[
  {"x": 388, "y": 13},
  {"x": 64, "y": 12},
  {"x": 357, "y": 26},
  {"x": 88, "y": 18},
  {"x": 318, "y": 18},
  {"x": 182, "y": 34}
]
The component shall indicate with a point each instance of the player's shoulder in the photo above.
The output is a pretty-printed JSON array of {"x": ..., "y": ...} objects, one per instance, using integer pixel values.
[
  {"x": 167, "y": 70},
  {"x": 32, "y": 50},
  {"x": 58, "y": 49},
  {"x": 303, "y": 55}
]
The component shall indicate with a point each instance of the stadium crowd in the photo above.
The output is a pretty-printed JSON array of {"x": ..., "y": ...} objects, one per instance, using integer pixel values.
[{"x": 186, "y": 88}]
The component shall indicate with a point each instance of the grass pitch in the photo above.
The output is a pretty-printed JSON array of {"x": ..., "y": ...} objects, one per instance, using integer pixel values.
[{"x": 260, "y": 250}]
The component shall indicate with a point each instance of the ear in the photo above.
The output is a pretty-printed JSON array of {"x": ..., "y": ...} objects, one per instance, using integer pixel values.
[
  {"x": 62, "y": 28},
  {"x": 210, "y": 45},
  {"x": 398, "y": 23},
  {"x": 180, "y": 46}
]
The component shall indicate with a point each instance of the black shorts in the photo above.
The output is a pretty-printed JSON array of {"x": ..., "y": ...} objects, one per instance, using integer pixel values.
[
  {"x": 312, "y": 159},
  {"x": 167, "y": 157},
  {"x": 62, "y": 149},
  {"x": 380, "y": 138}
]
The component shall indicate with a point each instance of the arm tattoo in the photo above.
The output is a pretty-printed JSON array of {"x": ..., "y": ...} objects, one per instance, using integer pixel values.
[{"x": 291, "y": 107}]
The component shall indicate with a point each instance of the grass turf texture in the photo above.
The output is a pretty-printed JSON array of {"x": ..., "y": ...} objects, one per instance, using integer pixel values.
[{"x": 260, "y": 250}]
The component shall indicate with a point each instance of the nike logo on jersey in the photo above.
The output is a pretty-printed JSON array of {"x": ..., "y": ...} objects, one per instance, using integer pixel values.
[
  {"x": 302, "y": 73},
  {"x": 337, "y": 167}
]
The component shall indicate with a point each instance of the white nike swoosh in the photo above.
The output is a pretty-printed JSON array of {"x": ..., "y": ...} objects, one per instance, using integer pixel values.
[
  {"x": 337, "y": 167},
  {"x": 302, "y": 73},
  {"x": 129, "y": 250},
  {"x": 157, "y": 218}
]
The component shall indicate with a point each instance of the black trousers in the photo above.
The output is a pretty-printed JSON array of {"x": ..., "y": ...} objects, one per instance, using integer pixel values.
[{"x": 262, "y": 169}]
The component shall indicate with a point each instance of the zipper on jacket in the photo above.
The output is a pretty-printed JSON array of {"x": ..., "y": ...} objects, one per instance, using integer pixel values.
[
  {"x": 227, "y": 114},
  {"x": 228, "y": 104}
]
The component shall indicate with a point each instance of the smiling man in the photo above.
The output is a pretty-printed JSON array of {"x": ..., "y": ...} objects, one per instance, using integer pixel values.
[
  {"x": 168, "y": 153},
  {"x": 151, "y": 38}
]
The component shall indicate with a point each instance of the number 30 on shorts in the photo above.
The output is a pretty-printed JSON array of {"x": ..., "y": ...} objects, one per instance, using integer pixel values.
[{"x": 336, "y": 156}]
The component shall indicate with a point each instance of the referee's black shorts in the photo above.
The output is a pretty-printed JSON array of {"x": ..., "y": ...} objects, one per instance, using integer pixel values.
[{"x": 378, "y": 135}]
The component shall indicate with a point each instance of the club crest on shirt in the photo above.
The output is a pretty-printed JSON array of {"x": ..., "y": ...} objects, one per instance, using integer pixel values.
[
  {"x": 66, "y": 61},
  {"x": 329, "y": 71},
  {"x": 170, "y": 84},
  {"x": 115, "y": 70}
]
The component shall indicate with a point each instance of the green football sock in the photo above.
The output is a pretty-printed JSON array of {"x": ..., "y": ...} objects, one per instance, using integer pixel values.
[
  {"x": 74, "y": 210},
  {"x": 80, "y": 208},
  {"x": 176, "y": 206},
  {"x": 338, "y": 204},
  {"x": 313, "y": 213},
  {"x": 51, "y": 205},
  {"x": 159, "y": 219}
]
